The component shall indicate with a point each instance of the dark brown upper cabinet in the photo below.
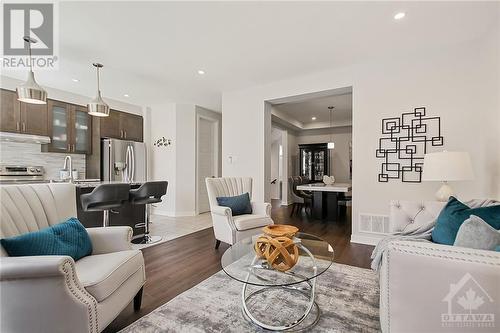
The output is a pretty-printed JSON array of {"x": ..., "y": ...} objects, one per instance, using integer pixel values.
[
  {"x": 122, "y": 125},
  {"x": 21, "y": 117},
  {"x": 70, "y": 128}
]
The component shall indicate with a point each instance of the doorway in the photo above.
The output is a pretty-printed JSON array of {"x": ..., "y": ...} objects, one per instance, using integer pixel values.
[
  {"x": 207, "y": 143},
  {"x": 317, "y": 128}
]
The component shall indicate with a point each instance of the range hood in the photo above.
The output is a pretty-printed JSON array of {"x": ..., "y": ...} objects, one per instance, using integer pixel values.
[{"x": 26, "y": 138}]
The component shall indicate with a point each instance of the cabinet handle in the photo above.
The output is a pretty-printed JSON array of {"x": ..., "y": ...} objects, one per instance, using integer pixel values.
[
  {"x": 17, "y": 126},
  {"x": 24, "y": 127},
  {"x": 121, "y": 134},
  {"x": 69, "y": 147},
  {"x": 74, "y": 149},
  {"x": 125, "y": 134}
]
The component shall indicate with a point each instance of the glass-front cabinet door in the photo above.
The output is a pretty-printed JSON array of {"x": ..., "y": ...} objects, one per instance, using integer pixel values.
[
  {"x": 69, "y": 128},
  {"x": 314, "y": 161},
  {"x": 81, "y": 135},
  {"x": 58, "y": 127},
  {"x": 319, "y": 165}
]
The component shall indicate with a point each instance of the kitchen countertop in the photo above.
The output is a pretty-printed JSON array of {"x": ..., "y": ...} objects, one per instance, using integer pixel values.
[{"x": 78, "y": 183}]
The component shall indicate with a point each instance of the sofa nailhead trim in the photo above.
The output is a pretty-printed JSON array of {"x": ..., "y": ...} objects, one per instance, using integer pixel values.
[{"x": 71, "y": 282}]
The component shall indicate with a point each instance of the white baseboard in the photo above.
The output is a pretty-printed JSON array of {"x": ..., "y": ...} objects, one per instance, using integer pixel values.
[{"x": 367, "y": 239}]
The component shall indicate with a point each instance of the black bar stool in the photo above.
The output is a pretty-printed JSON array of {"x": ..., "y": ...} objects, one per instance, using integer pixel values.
[
  {"x": 104, "y": 198},
  {"x": 148, "y": 193}
]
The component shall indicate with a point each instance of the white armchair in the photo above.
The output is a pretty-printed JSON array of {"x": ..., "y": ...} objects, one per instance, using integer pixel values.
[
  {"x": 228, "y": 228},
  {"x": 55, "y": 293},
  {"x": 421, "y": 283}
]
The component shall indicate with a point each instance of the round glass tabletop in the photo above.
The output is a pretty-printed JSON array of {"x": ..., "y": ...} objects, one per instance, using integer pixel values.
[{"x": 241, "y": 263}]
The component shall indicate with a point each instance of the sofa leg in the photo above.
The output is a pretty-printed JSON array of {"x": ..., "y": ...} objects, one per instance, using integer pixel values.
[
  {"x": 138, "y": 300},
  {"x": 217, "y": 243}
]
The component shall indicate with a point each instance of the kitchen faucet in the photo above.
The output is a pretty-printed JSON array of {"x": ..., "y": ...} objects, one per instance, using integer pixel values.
[{"x": 69, "y": 163}]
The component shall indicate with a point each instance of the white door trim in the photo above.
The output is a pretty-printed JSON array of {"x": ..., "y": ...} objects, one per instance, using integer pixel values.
[{"x": 215, "y": 124}]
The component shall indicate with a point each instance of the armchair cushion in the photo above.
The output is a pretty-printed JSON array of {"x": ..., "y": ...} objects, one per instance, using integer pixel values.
[
  {"x": 110, "y": 239},
  {"x": 102, "y": 274},
  {"x": 455, "y": 213},
  {"x": 249, "y": 221},
  {"x": 68, "y": 238},
  {"x": 239, "y": 204}
]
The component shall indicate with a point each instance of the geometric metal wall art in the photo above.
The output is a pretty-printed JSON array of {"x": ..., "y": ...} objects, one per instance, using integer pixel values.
[{"x": 403, "y": 144}]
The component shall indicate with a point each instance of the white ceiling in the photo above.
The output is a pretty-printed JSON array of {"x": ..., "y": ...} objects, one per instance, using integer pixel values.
[
  {"x": 152, "y": 50},
  {"x": 303, "y": 111}
]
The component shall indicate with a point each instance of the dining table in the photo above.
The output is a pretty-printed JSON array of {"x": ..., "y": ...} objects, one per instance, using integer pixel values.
[{"x": 325, "y": 198}]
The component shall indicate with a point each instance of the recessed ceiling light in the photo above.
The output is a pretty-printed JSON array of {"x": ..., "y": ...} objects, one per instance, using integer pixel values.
[
  {"x": 126, "y": 95},
  {"x": 75, "y": 80},
  {"x": 201, "y": 72},
  {"x": 313, "y": 118},
  {"x": 399, "y": 16}
]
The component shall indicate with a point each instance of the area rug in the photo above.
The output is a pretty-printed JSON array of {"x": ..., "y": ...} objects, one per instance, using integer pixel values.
[{"x": 348, "y": 298}]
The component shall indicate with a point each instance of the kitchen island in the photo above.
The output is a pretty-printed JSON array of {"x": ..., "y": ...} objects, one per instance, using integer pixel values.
[{"x": 128, "y": 214}]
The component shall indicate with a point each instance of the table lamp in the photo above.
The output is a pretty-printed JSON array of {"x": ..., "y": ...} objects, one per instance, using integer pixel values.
[{"x": 447, "y": 166}]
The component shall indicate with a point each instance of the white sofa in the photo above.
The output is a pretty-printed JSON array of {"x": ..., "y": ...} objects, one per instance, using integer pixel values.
[
  {"x": 421, "y": 283},
  {"x": 55, "y": 293},
  {"x": 228, "y": 228}
]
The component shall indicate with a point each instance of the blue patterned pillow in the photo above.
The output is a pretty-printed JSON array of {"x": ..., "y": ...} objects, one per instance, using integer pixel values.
[
  {"x": 68, "y": 239},
  {"x": 239, "y": 204}
]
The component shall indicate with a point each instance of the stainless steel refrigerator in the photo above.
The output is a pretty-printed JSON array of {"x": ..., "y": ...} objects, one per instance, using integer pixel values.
[{"x": 123, "y": 160}]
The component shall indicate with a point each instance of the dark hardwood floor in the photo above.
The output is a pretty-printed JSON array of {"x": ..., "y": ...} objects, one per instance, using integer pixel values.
[{"x": 178, "y": 265}]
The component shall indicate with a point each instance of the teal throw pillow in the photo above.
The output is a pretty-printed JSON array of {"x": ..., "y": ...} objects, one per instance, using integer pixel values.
[
  {"x": 455, "y": 213},
  {"x": 68, "y": 238},
  {"x": 239, "y": 204}
]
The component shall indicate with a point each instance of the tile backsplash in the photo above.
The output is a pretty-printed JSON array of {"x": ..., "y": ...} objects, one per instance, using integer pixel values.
[{"x": 30, "y": 154}]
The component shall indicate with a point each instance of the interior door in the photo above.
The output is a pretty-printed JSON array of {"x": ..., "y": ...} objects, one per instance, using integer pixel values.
[{"x": 207, "y": 142}]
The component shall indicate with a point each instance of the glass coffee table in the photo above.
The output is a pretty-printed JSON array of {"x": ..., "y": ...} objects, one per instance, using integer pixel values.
[{"x": 279, "y": 300}]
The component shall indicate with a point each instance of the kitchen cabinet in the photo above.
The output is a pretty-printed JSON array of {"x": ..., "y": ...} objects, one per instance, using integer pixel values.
[
  {"x": 21, "y": 117},
  {"x": 69, "y": 128},
  {"x": 110, "y": 125},
  {"x": 122, "y": 125}
]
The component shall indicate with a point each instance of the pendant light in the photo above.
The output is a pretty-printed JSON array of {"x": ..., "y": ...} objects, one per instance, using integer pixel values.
[
  {"x": 31, "y": 92},
  {"x": 97, "y": 107},
  {"x": 331, "y": 144}
]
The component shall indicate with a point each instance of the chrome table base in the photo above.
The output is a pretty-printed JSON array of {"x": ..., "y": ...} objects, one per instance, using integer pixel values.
[{"x": 308, "y": 292}]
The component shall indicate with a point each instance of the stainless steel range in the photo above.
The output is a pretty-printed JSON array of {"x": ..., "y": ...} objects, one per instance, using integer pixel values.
[{"x": 21, "y": 174}]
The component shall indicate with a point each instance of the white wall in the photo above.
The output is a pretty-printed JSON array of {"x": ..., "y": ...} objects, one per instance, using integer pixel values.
[
  {"x": 162, "y": 122},
  {"x": 177, "y": 162},
  {"x": 185, "y": 159},
  {"x": 339, "y": 157},
  {"x": 459, "y": 84}
]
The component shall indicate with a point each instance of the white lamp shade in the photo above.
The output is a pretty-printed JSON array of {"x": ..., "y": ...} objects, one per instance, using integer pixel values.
[{"x": 447, "y": 166}]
